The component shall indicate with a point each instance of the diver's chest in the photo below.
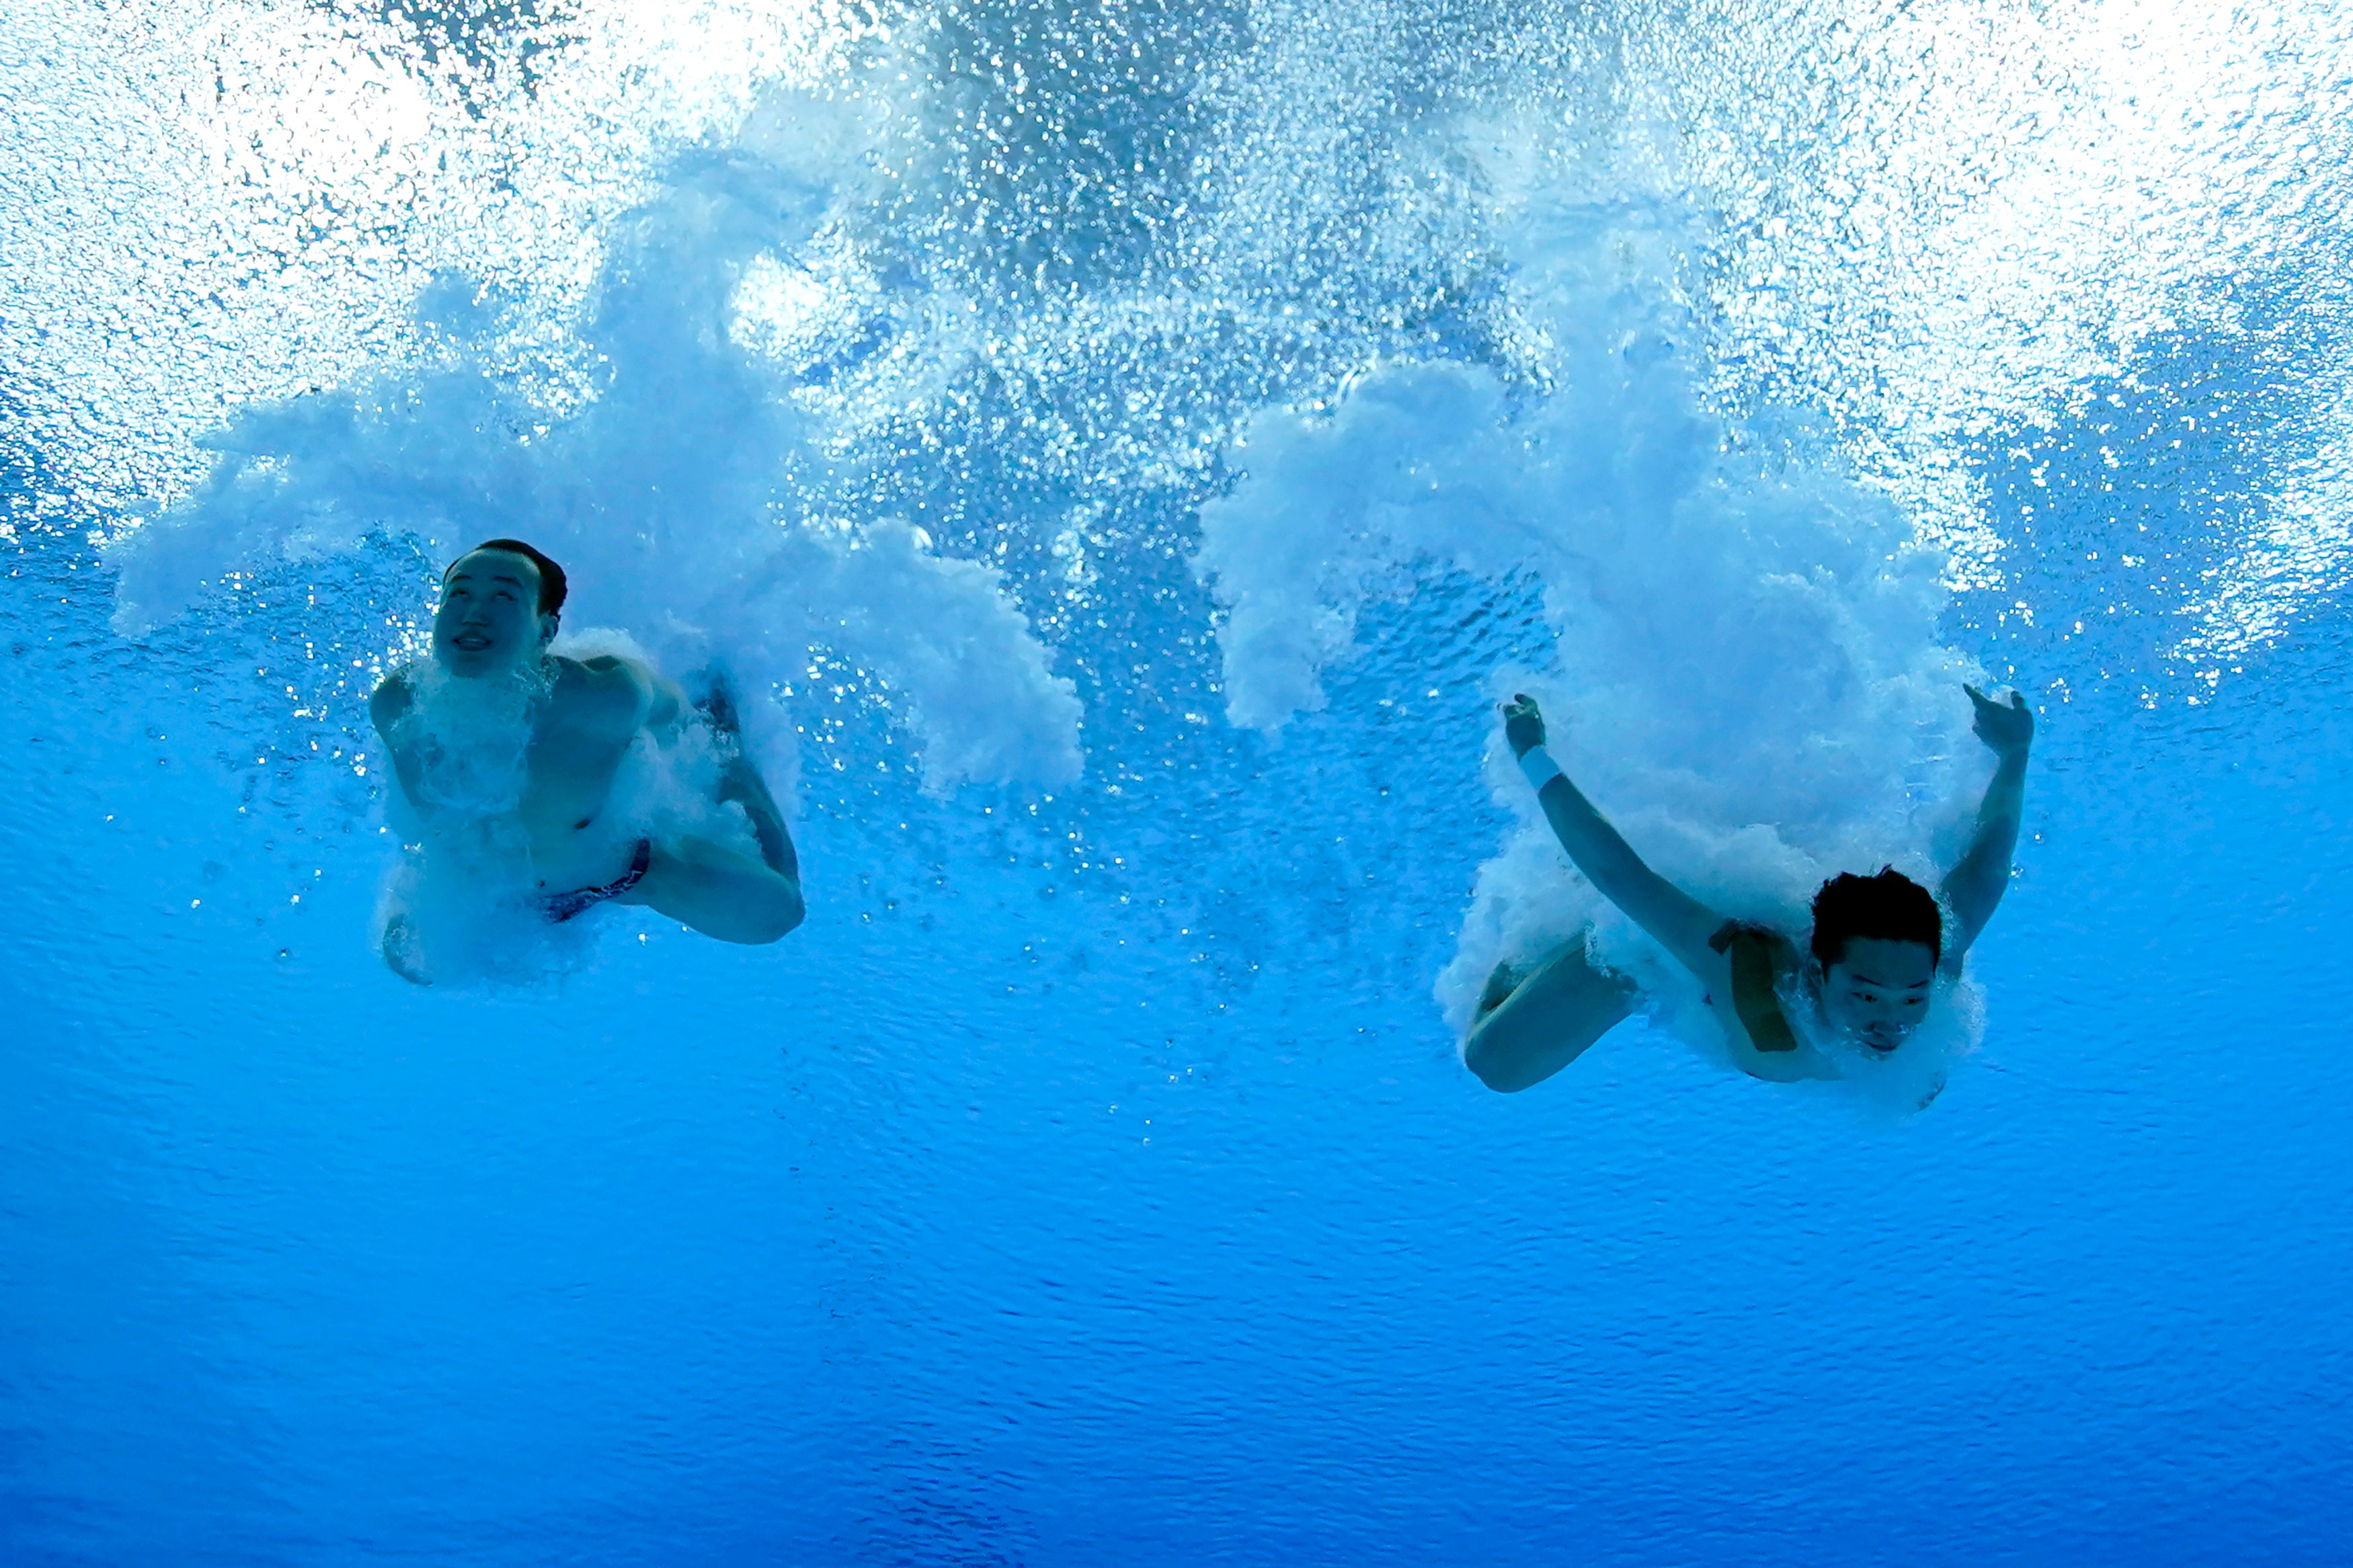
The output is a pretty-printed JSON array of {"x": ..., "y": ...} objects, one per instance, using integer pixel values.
[
  {"x": 1803, "y": 1061},
  {"x": 570, "y": 777},
  {"x": 1727, "y": 1019}
]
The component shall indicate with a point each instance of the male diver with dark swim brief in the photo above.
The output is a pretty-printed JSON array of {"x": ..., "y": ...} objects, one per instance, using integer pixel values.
[
  {"x": 532, "y": 745},
  {"x": 1878, "y": 948},
  {"x": 563, "y": 907}
]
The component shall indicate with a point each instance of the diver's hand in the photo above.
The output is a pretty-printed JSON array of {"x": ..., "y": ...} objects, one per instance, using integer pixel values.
[
  {"x": 400, "y": 951},
  {"x": 2008, "y": 729},
  {"x": 1523, "y": 727}
]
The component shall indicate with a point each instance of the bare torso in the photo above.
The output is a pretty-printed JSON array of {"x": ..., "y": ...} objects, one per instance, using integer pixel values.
[
  {"x": 580, "y": 733},
  {"x": 1777, "y": 1066}
]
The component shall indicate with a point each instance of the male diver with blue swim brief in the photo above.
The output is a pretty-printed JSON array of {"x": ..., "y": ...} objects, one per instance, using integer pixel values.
[
  {"x": 1879, "y": 943},
  {"x": 495, "y": 729}
]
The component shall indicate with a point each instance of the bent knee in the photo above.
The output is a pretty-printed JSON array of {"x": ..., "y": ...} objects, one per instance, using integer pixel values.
[
  {"x": 778, "y": 915},
  {"x": 1494, "y": 1067},
  {"x": 790, "y": 917}
]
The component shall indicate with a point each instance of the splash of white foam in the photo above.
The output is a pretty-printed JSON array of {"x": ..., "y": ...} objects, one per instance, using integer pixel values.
[
  {"x": 1747, "y": 674},
  {"x": 681, "y": 493},
  {"x": 470, "y": 738},
  {"x": 216, "y": 201}
]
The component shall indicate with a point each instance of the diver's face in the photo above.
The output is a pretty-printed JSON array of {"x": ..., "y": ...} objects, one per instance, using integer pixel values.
[
  {"x": 1878, "y": 990},
  {"x": 489, "y": 622}
]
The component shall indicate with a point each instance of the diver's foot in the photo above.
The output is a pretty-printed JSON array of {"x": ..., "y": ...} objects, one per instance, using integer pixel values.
[
  {"x": 717, "y": 702},
  {"x": 400, "y": 954},
  {"x": 739, "y": 781}
]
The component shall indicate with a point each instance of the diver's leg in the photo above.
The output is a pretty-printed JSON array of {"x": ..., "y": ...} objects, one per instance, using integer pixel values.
[
  {"x": 1538, "y": 1026},
  {"x": 718, "y": 891}
]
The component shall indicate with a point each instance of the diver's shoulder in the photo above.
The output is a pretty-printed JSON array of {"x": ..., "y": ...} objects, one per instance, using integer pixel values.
[
  {"x": 598, "y": 667},
  {"x": 605, "y": 686}
]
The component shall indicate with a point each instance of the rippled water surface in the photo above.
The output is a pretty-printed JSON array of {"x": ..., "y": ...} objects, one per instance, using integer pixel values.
[{"x": 1123, "y": 451}]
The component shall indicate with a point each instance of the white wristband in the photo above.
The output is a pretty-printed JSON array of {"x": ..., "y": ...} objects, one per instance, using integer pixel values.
[{"x": 1538, "y": 765}]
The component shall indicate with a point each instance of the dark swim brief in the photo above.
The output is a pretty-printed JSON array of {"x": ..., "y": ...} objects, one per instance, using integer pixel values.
[{"x": 562, "y": 907}]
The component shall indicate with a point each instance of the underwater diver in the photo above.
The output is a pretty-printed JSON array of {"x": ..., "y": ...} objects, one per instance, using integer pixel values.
[
  {"x": 1878, "y": 948},
  {"x": 494, "y": 728}
]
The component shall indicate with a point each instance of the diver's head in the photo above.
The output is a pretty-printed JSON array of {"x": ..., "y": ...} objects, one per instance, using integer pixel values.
[
  {"x": 499, "y": 604},
  {"x": 1877, "y": 941}
]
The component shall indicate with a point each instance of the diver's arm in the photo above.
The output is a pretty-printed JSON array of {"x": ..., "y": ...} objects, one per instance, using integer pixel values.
[
  {"x": 1679, "y": 922},
  {"x": 658, "y": 702},
  {"x": 388, "y": 702},
  {"x": 388, "y": 705},
  {"x": 665, "y": 702},
  {"x": 1976, "y": 882}
]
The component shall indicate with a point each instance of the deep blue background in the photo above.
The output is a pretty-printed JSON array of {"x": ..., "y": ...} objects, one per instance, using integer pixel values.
[
  {"x": 1092, "y": 1179},
  {"x": 840, "y": 1251}
]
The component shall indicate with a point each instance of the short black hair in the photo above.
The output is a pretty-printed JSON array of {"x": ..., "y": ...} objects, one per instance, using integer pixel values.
[
  {"x": 551, "y": 575},
  {"x": 1890, "y": 907}
]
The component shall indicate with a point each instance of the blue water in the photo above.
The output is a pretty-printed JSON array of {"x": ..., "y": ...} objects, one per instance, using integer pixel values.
[{"x": 1123, "y": 451}]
